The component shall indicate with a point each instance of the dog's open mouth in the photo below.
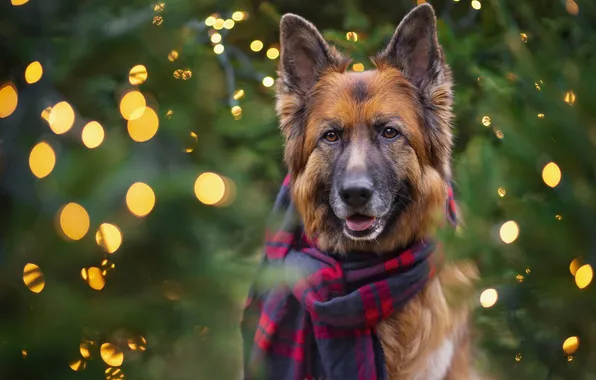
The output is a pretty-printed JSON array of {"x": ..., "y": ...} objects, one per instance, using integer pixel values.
[{"x": 360, "y": 226}]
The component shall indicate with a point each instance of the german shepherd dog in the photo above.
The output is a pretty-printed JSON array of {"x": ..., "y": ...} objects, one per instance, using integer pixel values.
[{"x": 370, "y": 158}]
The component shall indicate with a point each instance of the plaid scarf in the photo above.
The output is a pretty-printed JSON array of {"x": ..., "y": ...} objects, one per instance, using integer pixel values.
[{"x": 318, "y": 320}]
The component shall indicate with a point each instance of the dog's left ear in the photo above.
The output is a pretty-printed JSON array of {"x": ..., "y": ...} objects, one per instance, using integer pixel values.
[{"x": 414, "y": 49}]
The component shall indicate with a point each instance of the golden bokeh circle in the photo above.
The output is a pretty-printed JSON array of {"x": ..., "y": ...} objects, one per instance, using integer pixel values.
[
  {"x": 551, "y": 174},
  {"x": 108, "y": 237},
  {"x": 583, "y": 276},
  {"x": 132, "y": 105},
  {"x": 33, "y": 72},
  {"x": 74, "y": 221},
  {"x": 140, "y": 199},
  {"x": 509, "y": 232},
  {"x": 42, "y": 159},
  {"x": 137, "y": 75},
  {"x": 145, "y": 127},
  {"x": 92, "y": 135},
  {"x": 489, "y": 297},
  {"x": 61, "y": 118},
  {"x": 111, "y": 355},
  {"x": 209, "y": 188},
  {"x": 33, "y": 278},
  {"x": 9, "y": 99},
  {"x": 570, "y": 345}
]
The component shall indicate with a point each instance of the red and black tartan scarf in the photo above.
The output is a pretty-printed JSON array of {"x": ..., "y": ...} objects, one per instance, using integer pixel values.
[{"x": 310, "y": 315}]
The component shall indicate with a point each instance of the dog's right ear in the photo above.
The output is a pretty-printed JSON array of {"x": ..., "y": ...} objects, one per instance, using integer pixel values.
[{"x": 305, "y": 55}]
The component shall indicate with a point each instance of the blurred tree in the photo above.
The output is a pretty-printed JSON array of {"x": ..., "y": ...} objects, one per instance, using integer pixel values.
[{"x": 156, "y": 293}]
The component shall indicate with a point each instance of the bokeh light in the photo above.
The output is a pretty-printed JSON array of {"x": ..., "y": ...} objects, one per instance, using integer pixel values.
[
  {"x": 45, "y": 114},
  {"x": 132, "y": 105},
  {"x": 540, "y": 116},
  {"x": 358, "y": 67},
  {"x": 137, "y": 75},
  {"x": 145, "y": 127},
  {"x": 551, "y": 174},
  {"x": 229, "y": 23},
  {"x": 33, "y": 72},
  {"x": 570, "y": 345},
  {"x": 218, "y": 49},
  {"x": 157, "y": 20},
  {"x": 92, "y": 134},
  {"x": 9, "y": 99},
  {"x": 111, "y": 355},
  {"x": 209, "y": 21},
  {"x": 352, "y": 36},
  {"x": 272, "y": 53},
  {"x": 159, "y": 7},
  {"x": 486, "y": 121},
  {"x": 137, "y": 344},
  {"x": 74, "y": 221},
  {"x": 256, "y": 45},
  {"x": 489, "y": 297},
  {"x": 501, "y": 191},
  {"x": 108, "y": 237},
  {"x": 140, "y": 199},
  {"x": 570, "y": 97},
  {"x": 16, "y": 3},
  {"x": 268, "y": 81},
  {"x": 210, "y": 188},
  {"x": 173, "y": 56},
  {"x": 33, "y": 278},
  {"x": 95, "y": 278},
  {"x": 239, "y": 16},
  {"x": 85, "y": 349},
  {"x": 571, "y": 7},
  {"x": 583, "y": 276},
  {"x": 236, "y": 112},
  {"x": 42, "y": 159},
  {"x": 524, "y": 37},
  {"x": 238, "y": 94},
  {"x": 219, "y": 24},
  {"x": 574, "y": 266},
  {"x": 61, "y": 118},
  {"x": 476, "y": 4},
  {"x": 216, "y": 38},
  {"x": 191, "y": 142},
  {"x": 78, "y": 365},
  {"x": 509, "y": 232}
]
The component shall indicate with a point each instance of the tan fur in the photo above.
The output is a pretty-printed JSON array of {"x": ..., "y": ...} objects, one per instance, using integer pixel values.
[{"x": 429, "y": 339}]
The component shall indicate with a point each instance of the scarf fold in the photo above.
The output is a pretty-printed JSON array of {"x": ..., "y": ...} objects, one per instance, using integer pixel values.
[{"x": 310, "y": 315}]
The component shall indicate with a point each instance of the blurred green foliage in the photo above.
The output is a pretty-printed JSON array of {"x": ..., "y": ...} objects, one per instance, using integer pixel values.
[{"x": 182, "y": 272}]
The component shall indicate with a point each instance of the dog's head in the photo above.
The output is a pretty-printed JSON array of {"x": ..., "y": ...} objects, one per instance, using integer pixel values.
[{"x": 369, "y": 152}]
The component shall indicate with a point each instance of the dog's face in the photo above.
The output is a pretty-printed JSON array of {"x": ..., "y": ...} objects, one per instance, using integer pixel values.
[{"x": 369, "y": 152}]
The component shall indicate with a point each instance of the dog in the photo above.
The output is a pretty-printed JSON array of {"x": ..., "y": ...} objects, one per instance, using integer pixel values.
[{"x": 370, "y": 160}]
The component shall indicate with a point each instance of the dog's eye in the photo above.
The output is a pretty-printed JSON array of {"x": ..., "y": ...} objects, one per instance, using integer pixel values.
[
  {"x": 331, "y": 136},
  {"x": 389, "y": 133}
]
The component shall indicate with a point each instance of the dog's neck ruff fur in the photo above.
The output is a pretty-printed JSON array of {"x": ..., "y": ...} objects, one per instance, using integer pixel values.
[{"x": 317, "y": 320}]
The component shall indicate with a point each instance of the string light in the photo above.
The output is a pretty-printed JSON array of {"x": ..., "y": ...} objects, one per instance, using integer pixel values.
[
  {"x": 61, "y": 118},
  {"x": 574, "y": 266},
  {"x": 186, "y": 74},
  {"x": 218, "y": 49},
  {"x": 95, "y": 278},
  {"x": 486, "y": 121},
  {"x": 352, "y": 36},
  {"x": 476, "y": 5},
  {"x": 519, "y": 278},
  {"x": 24, "y": 353},
  {"x": 173, "y": 56},
  {"x": 540, "y": 116},
  {"x": 209, "y": 188},
  {"x": 499, "y": 134},
  {"x": 17, "y": 3},
  {"x": 256, "y": 45},
  {"x": 9, "y": 99},
  {"x": 74, "y": 221},
  {"x": 137, "y": 344},
  {"x": 268, "y": 81},
  {"x": 140, "y": 199},
  {"x": 524, "y": 37},
  {"x": 489, "y": 297},
  {"x": 559, "y": 217},
  {"x": 238, "y": 16},
  {"x": 229, "y": 24},
  {"x": 238, "y": 94},
  {"x": 272, "y": 53},
  {"x": 92, "y": 134},
  {"x": 178, "y": 73},
  {"x": 137, "y": 75},
  {"x": 551, "y": 174},
  {"x": 236, "y": 112},
  {"x": 518, "y": 357},
  {"x": 358, "y": 67},
  {"x": 159, "y": 7},
  {"x": 501, "y": 191},
  {"x": 111, "y": 355},
  {"x": 570, "y": 345},
  {"x": 108, "y": 237},
  {"x": 538, "y": 87},
  {"x": 583, "y": 276},
  {"x": 132, "y": 105},
  {"x": 192, "y": 142},
  {"x": 33, "y": 72},
  {"x": 85, "y": 349},
  {"x": 145, "y": 127},
  {"x": 169, "y": 114},
  {"x": 219, "y": 24},
  {"x": 33, "y": 278},
  {"x": 569, "y": 97},
  {"x": 509, "y": 232},
  {"x": 216, "y": 38},
  {"x": 42, "y": 159}
]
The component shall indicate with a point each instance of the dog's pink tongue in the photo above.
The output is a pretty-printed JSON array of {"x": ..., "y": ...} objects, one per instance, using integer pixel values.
[{"x": 359, "y": 222}]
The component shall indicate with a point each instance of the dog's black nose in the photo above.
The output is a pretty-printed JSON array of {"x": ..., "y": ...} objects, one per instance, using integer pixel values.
[{"x": 356, "y": 193}]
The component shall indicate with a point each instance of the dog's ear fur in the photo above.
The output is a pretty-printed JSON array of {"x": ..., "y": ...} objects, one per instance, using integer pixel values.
[
  {"x": 305, "y": 57},
  {"x": 414, "y": 50}
]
